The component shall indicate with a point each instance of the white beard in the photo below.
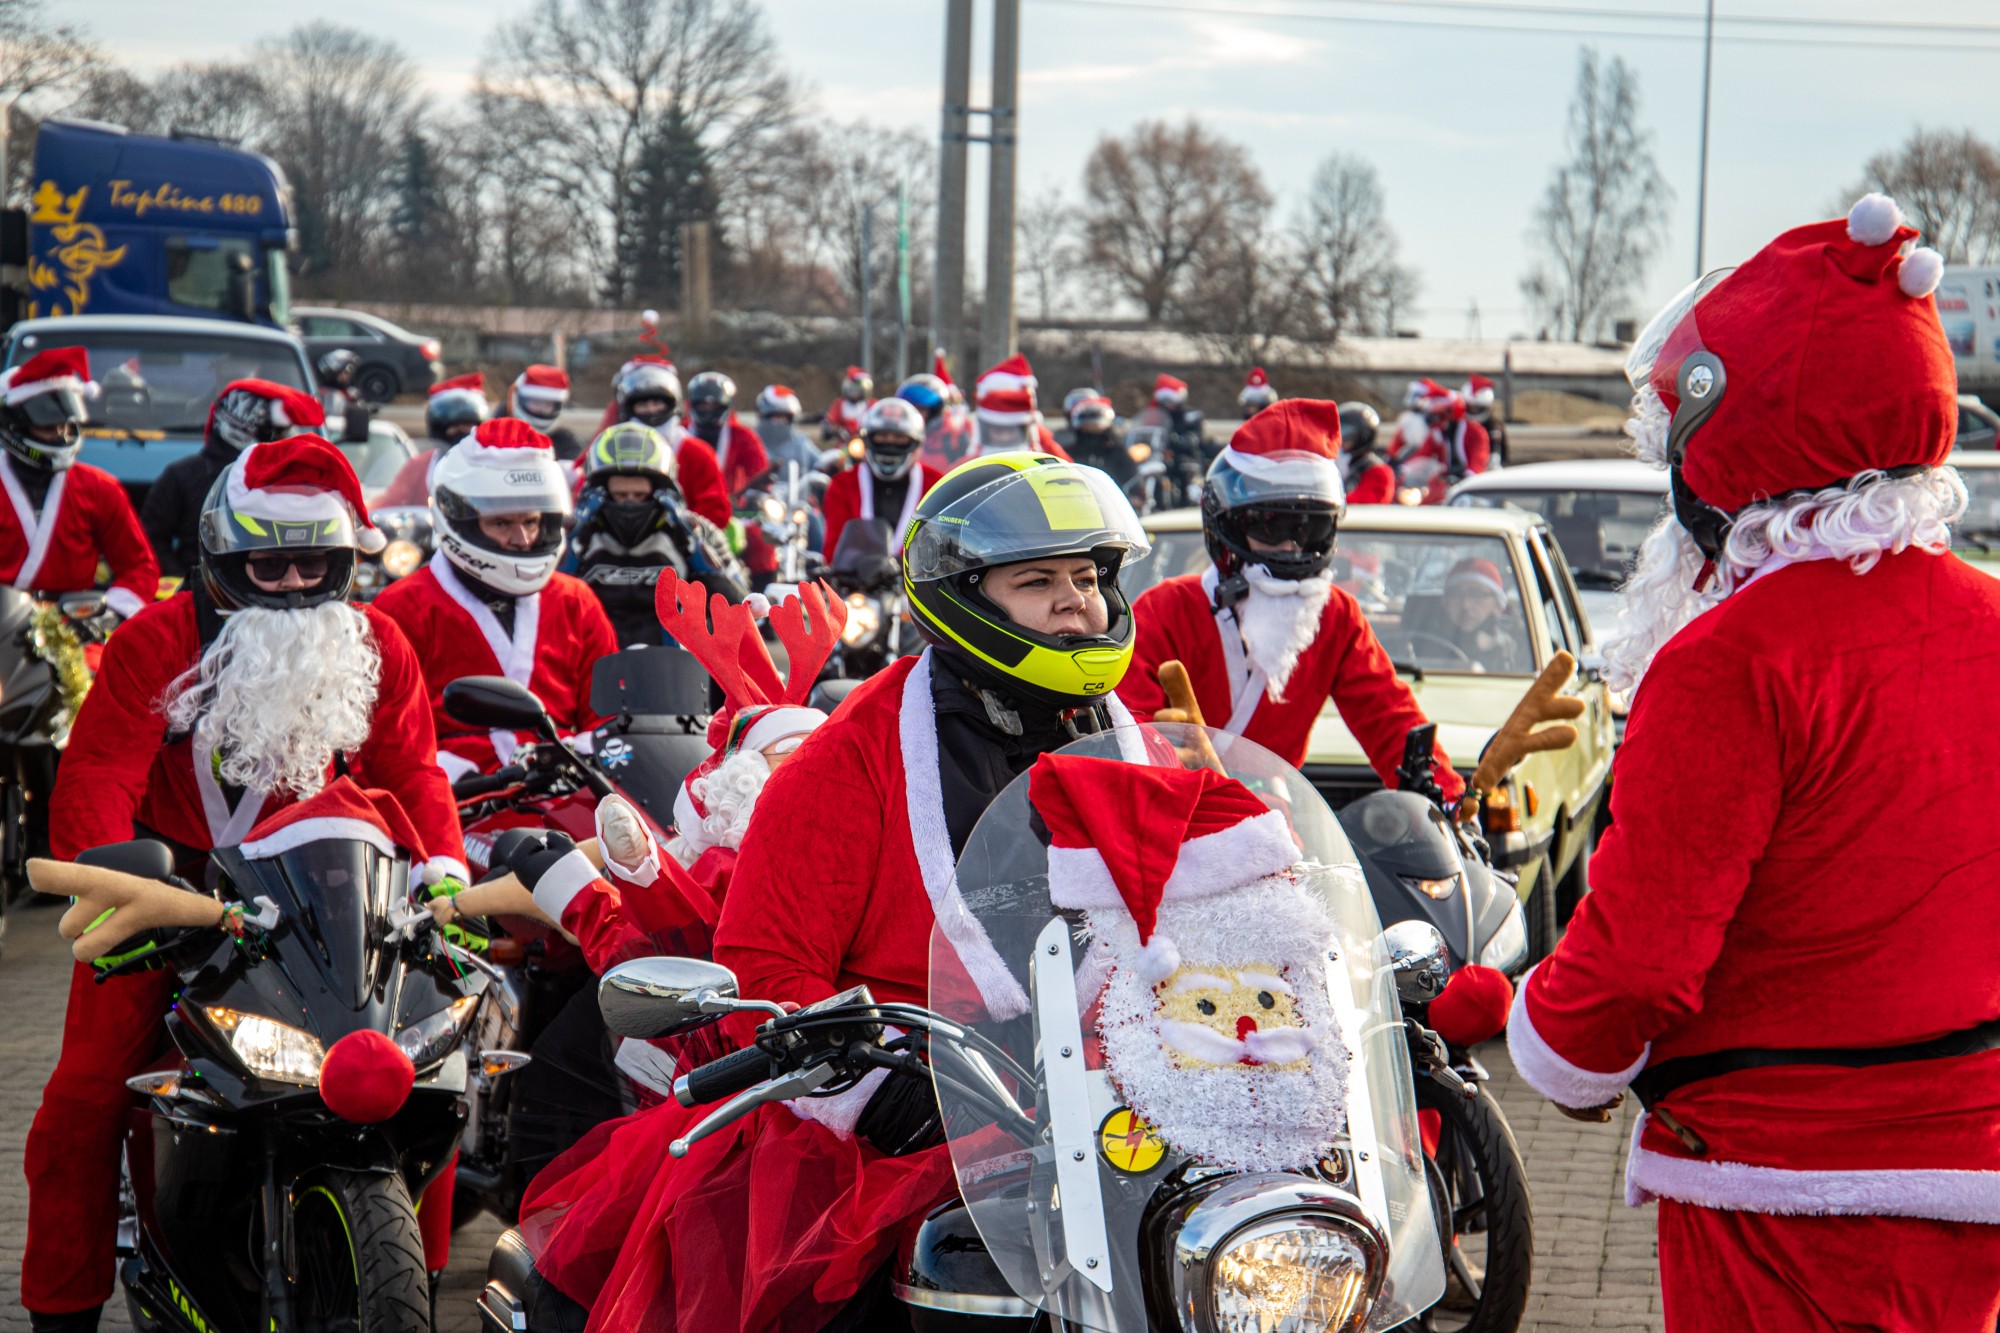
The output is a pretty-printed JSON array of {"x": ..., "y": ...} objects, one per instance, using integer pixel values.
[
  {"x": 1279, "y": 621},
  {"x": 279, "y": 694},
  {"x": 729, "y": 794}
]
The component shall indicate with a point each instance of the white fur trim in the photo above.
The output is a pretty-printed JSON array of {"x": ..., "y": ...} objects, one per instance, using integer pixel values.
[
  {"x": 561, "y": 882},
  {"x": 931, "y": 836},
  {"x": 1000, "y": 418},
  {"x": 37, "y": 528},
  {"x": 455, "y": 766},
  {"x": 1214, "y": 863},
  {"x": 1549, "y": 1073},
  {"x": 1159, "y": 959},
  {"x": 124, "y": 601},
  {"x": 440, "y": 868},
  {"x": 1923, "y": 269},
  {"x": 688, "y": 821},
  {"x": 298, "y": 834},
  {"x": 21, "y": 393},
  {"x": 1293, "y": 467},
  {"x": 842, "y": 1111},
  {"x": 646, "y": 1064},
  {"x": 998, "y": 381},
  {"x": 1873, "y": 219},
  {"x": 779, "y": 723}
]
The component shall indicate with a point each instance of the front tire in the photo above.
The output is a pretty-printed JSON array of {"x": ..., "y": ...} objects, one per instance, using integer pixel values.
[
  {"x": 360, "y": 1257},
  {"x": 1575, "y": 886},
  {"x": 1491, "y": 1232},
  {"x": 1544, "y": 923}
]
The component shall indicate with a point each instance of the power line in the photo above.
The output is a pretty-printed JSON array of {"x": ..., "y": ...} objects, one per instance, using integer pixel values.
[
  {"x": 1537, "y": 30},
  {"x": 1669, "y": 16}
]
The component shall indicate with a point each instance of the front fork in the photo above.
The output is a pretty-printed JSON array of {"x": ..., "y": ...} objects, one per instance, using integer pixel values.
[{"x": 274, "y": 1198}]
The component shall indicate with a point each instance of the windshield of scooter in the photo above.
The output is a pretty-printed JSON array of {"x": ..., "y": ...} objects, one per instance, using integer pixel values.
[{"x": 1268, "y": 1192}]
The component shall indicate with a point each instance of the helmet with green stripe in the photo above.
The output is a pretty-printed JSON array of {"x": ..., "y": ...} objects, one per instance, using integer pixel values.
[
  {"x": 630, "y": 448},
  {"x": 1008, "y": 508}
]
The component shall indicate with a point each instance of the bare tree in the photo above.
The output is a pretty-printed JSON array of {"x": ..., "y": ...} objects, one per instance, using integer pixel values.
[
  {"x": 1348, "y": 248},
  {"x": 39, "y": 59},
  {"x": 861, "y": 167},
  {"x": 1948, "y": 185},
  {"x": 1249, "y": 294},
  {"x": 1604, "y": 215},
  {"x": 1047, "y": 248},
  {"x": 1161, "y": 203}
]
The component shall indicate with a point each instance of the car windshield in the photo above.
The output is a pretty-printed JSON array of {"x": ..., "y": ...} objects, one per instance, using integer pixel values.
[
  {"x": 1979, "y": 529},
  {"x": 166, "y": 381},
  {"x": 1599, "y": 531},
  {"x": 378, "y": 458}
]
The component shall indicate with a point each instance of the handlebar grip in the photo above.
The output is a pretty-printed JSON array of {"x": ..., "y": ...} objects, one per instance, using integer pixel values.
[
  {"x": 480, "y": 784},
  {"x": 723, "y": 1078}
]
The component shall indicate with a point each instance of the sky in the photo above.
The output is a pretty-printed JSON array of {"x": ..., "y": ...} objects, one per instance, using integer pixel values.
[{"x": 1464, "y": 123}]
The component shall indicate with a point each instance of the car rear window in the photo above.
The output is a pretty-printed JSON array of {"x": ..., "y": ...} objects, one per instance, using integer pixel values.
[
  {"x": 1599, "y": 531},
  {"x": 165, "y": 381}
]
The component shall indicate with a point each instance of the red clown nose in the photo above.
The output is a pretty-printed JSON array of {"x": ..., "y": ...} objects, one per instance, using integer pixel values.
[{"x": 366, "y": 1078}]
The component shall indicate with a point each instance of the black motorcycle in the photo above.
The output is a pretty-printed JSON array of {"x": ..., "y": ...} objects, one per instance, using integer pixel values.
[
  {"x": 871, "y": 580},
  {"x": 250, "y": 1204}
]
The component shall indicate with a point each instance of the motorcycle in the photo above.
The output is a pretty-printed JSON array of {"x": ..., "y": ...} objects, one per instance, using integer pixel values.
[
  {"x": 785, "y": 513},
  {"x": 248, "y": 1202},
  {"x": 411, "y": 540},
  {"x": 878, "y": 629},
  {"x": 1074, "y": 1214}
]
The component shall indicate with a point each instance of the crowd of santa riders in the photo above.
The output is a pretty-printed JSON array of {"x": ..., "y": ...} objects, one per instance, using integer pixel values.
[{"x": 1788, "y": 953}]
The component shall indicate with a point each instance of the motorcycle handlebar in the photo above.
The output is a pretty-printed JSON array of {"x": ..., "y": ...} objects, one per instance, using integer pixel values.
[
  {"x": 474, "y": 785},
  {"x": 723, "y": 1078}
]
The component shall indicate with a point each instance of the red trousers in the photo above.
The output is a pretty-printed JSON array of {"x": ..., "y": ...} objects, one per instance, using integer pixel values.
[
  {"x": 1727, "y": 1270},
  {"x": 111, "y": 1032}
]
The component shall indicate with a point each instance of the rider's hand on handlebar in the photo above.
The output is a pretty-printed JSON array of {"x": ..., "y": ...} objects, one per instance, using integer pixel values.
[
  {"x": 901, "y": 1117},
  {"x": 447, "y": 915},
  {"x": 1593, "y": 1115}
]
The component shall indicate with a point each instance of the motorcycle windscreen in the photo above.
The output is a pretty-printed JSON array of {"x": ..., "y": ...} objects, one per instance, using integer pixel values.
[
  {"x": 1102, "y": 1089},
  {"x": 334, "y": 896}
]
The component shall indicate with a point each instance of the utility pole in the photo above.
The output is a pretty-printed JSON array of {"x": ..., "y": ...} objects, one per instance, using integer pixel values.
[
  {"x": 996, "y": 338},
  {"x": 1701, "y": 187},
  {"x": 902, "y": 280},
  {"x": 948, "y": 291}
]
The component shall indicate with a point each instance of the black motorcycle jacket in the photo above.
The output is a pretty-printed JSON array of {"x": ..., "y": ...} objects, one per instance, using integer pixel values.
[
  {"x": 620, "y": 550},
  {"x": 1104, "y": 451},
  {"x": 172, "y": 512}
]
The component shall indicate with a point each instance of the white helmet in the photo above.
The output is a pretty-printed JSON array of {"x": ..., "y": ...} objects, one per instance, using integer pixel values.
[
  {"x": 775, "y": 400},
  {"x": 504, "y": 467},
  {"x": 891, "y": 432}
]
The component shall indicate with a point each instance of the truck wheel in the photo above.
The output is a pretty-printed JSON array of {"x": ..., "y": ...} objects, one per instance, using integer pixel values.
[
  {"x": 1489, "y": 1258},
  {"x": 377, "y": 385},
  {"x": 360, "y": 1257},
  {"x": 1544, "y": 926}
]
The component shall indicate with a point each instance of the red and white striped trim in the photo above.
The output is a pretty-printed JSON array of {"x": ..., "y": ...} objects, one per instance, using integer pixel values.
[
  {"x": 296, "y": 835},
  {"x": 561, "y": 882},
  {"x": 21, "y": 393},
  {"x": 1212, "y": 864},
  {"x": 1550, "y": 1074},
  {"x": 1293, "y": 468}
]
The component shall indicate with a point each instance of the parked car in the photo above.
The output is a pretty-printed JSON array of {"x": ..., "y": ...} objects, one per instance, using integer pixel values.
[
  {"x": 1394, "y": 560},
  {"x": 393, "y": 360},
  {"x": 158, "y": 375},
  {"x": 1975, "y": 538},
  {"x": 1978, "y": 424}
]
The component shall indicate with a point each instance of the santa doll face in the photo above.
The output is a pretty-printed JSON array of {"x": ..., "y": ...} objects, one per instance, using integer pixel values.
[{"x": 1217, "y": 1017}]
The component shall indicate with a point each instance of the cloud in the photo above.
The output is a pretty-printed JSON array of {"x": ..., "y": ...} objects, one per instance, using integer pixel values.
[{"x": 1202, "y": 47}]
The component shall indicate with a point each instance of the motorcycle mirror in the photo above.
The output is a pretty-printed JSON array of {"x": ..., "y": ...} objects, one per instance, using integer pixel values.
[
  {"x": 495, "y": 701},
  {"x": 147, "y": 858},
  {"x": 1420, "y": 960},
  {"x": 663, "y": 997}
]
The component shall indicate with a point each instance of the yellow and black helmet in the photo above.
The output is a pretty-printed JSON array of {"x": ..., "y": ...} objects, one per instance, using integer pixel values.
[{"x": 1000, "y": 510}]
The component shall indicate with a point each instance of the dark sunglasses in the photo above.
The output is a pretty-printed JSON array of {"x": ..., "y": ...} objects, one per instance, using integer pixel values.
[
  {"x": 1308, "y": 530},
  {"x": 270, "y": 567}
]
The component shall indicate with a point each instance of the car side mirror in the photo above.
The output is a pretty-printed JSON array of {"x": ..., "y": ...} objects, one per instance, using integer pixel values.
[
  {"x": 1420, "y": 960},
  {"x": 496, "y": 702},
  {"x": 663, "y": 997}
]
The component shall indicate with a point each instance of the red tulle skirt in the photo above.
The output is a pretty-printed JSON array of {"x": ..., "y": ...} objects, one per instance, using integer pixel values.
[{"x": 772, "y": 1224}]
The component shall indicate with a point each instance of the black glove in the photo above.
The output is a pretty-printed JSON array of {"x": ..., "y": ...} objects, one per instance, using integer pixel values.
[
  {"x": 902, "y": 1117},
  {"x": 533, "y": 856}
]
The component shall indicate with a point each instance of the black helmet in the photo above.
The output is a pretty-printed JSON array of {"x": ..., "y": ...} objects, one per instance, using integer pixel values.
[
  {"x": 1092, "y": 415},
  {"x": 1277, "y": 482},
  {"x": 457, "y": 404},
  {"x": 241, "y": 520},
  {"x": 337, "y": 367},
  {"x": 1358, "y": 425},
  {"x": 51, "y": 386},
  {"x": 249, "y": 412},
  {"x": 709, "y": 397},
  {"x": 999, "y": 510}
]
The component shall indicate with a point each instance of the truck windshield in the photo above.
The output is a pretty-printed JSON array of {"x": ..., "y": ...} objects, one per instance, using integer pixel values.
[
  {"x": 166, "y": 381},
  {"x": 278, "y": 281}
]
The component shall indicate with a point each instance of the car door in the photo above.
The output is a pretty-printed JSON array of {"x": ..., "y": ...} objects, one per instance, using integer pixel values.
[{"x": 1584, "y": 765}]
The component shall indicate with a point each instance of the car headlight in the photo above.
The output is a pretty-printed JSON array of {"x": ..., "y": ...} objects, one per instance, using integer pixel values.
[
  {"x": 864, "y": 617},
  {"x": 401, "y": 557},
  {"x": 268, "y": 1048},
  {"x": 1508, "y": 948},
  {"x": 1304, "y": 1273},
  {"x": 430, "y": 1040}
]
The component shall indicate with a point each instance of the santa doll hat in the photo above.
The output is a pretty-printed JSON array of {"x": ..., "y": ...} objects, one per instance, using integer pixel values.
[
  {"x": 289, "y": 408},
  {"x": 546, "y": 383},
  {"x": 1437, "y": 398},
  {"x": 1295, "y": 442},
  {"x": 1833, "y": 358},
  {"x": 1169, "y": 392},
  {"x": 1135, "y": 836},
  {"x": 303, "y": 479},
  {"x": 1005, "y": 395},
  {"x": 343, "y": 810},
  {"x": 48, "y": 372},
  {"x": 938, "y": 366},
  {"x": 1478, "y": 390}
]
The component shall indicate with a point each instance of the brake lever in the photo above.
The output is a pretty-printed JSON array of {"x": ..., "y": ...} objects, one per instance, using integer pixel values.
[
  {"x": 1428, "y": 1050},
  {"x": 781, "y": 1089}
]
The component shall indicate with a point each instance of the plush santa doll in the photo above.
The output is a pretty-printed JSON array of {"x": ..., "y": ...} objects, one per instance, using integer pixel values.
[
  {"x": 1005, "y": 413},
  {"x": 1788, "y": 951},
  {"x": 1267, "y": 637}
]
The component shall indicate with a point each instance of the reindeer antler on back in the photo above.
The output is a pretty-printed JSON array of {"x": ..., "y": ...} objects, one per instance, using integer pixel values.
[
  {"x": 1518, "y": 738},
  {"x": 730, "y": 649},
  {"x": 809, "y": 639}
]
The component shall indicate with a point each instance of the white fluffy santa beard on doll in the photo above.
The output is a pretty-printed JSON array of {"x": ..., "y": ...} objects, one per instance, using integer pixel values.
[
  {"x": 1280, "y": 619},
  {"x": 280, "y": 693},
  {"x": 1859, "y": 523},
  {"x": 1220, "y": 1033},
  {"x": 729, "y": 794}
]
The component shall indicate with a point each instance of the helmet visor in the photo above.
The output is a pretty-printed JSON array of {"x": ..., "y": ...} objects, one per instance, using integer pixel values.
[
  {"x": 54, "y": 408},
  {"x": 1237, "y": 480},
  {"x": 1049, "y": 509},
  {"x": 1669, "y": 338}
]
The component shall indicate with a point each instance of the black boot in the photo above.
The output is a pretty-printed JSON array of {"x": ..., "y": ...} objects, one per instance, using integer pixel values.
[{"x": 76, "y": 1321}]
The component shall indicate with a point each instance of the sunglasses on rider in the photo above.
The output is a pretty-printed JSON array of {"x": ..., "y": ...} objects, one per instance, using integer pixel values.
[
  {"x": 1311, "y": 531},
  {"x": 270, "y": 566}
]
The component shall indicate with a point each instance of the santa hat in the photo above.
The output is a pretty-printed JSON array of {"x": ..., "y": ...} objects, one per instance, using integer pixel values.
[
  {"x": 1436, "y": 398},
  {"x": 1169, "y": 392},
  {"x": 756, "y": 727},
  {"x": 472, "y": 383},
  {"x": 1478, "y": 390},
  {"x": 303, "y": 479},
  {"x": 549, "y": 384},
  {"x": 1295, "y": 442},
  {"x": 1005, "y": 395},
  {"x": 1136, "y": 836},
  {"x": 49, "y": 371},
  {"x": 938, "y": 367},
  {"x": 1478, "y": 572},
  {"x": 501, "y": 441},
  {"x": 343, "y": 810},
  {"x": 1833, "y": 359},
  {"x": 289, "y": 408}
]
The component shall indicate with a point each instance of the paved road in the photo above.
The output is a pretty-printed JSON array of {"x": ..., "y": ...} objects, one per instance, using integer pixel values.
[{"x": 1594, "y": 1264}]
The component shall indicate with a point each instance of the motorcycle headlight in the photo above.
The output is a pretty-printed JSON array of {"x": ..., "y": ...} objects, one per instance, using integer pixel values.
[
  {"x": 1508, "y": 948},
  {"x": 268, "y": 1048},
  {"x": 1139, "y": 452},
  {"x": 1439, "y": 889},
  {"x": 401, "y": 557},
  {"x": 864, "y": 617},
  {"x": 773, "y": 509},
  {"x": 1296, "y": 1273},
  {"x": 429, "y": 1040}
]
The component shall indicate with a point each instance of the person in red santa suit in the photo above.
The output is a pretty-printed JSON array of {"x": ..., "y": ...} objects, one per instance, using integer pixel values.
[
  {"x": 789, "y": 1221},
  {"x": 1479, "y": 395},
  {"x": 1454, "y": 447},
  {"x": 1369, "y": 477},
  {"x": 712, "y": 420},
  {"x": 890, "y": 480},
  {"x": 1005, "y": 415},
  {"x": 214, "y": 709},
  {"x": 538, "y": 396},
  {"x": 1820, "y": 1107},
  {"x": 842, "y": 421},
  {"x": 63, "y": 516},
  {"x": 490, "y": 602},
  {"x": 1257, "y": 393},
  {"x": 649, "y": 392},
  {"x": 1265, "y": 634}
]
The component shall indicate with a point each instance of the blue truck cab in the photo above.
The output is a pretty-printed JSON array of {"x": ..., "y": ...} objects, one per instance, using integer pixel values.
[{"x": 133, "y": 224}]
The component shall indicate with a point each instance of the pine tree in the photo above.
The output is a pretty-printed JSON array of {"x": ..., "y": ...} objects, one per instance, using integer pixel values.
[{"x": 672, "y": 184}]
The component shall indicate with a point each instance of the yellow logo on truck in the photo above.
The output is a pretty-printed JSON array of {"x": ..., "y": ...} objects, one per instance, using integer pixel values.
[{"x": 68, "y": 253}]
